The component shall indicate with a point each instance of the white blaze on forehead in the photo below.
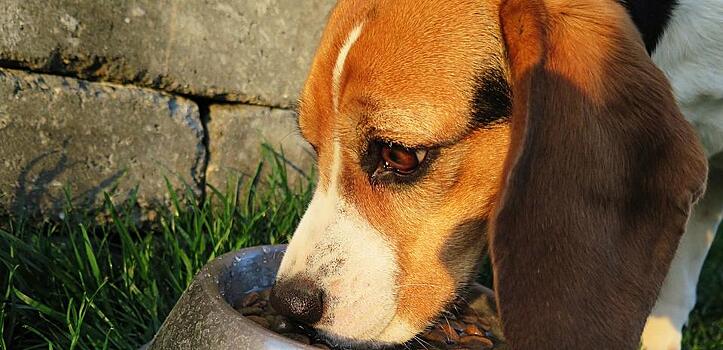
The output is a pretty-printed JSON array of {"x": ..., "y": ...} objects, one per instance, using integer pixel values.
[
  {"x": 351, "y": 261},
  {"x": 341, "y": 61}
]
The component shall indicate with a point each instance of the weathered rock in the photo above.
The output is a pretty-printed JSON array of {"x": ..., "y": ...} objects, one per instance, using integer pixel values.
[
  {"x": 236, "y": 135},
  {"x": 58, "y": 133},
  {"x": 237, "y": 50}
]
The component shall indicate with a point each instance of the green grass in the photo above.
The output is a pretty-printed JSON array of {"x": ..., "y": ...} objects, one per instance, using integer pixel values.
[
  {"x": 705, "y": 326},
  {"x": 80, "y": 284}
]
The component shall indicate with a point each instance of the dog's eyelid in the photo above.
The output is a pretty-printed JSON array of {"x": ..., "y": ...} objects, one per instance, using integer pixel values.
[{"x": 410, "y": 146}]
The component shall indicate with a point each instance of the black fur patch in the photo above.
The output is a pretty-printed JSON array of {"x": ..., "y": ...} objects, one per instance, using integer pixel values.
[
  {"x": 492, "y": 101},
  {"x": 651, "y": 17}
]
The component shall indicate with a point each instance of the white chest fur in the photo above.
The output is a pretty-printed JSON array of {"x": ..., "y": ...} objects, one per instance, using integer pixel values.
[{"x": 690, "y": 53}]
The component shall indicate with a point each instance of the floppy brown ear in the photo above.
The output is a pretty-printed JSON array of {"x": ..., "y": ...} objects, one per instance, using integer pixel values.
[{"x": 600, "y": 178}]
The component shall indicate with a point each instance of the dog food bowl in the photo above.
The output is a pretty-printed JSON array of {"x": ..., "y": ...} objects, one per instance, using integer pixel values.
[{"x": 204, "y": 317}]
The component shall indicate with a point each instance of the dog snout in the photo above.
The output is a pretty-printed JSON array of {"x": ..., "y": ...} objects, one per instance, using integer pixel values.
[{"x": 298, "y": 298}]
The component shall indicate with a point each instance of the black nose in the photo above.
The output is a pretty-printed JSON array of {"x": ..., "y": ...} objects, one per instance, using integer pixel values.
[{"x": 299, "y": 299}]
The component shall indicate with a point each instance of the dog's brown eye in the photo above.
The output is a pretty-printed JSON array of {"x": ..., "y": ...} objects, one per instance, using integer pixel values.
[{"x": 401, "y": 159}]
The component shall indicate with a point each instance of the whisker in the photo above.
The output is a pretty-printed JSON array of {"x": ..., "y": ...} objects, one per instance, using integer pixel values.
[
  {"x": 421, "y": 342},
  {"x": 425, "y": 342}
]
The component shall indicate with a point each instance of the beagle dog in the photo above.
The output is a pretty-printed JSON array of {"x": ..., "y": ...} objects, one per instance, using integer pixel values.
[{"x": 539, "y": 131}]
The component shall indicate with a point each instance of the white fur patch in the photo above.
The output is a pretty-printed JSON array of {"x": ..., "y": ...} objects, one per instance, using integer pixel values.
[
  {"x": 340, "y": 62},
  {"x": 352, "y": 262},
  {"x": 690, "y": 53},
  {"x": 397, "y": 331},
  {"x": 661, "y": 334}
]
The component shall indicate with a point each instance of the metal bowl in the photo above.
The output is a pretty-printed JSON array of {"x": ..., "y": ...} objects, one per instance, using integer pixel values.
[{"x": 203, "y": 318}]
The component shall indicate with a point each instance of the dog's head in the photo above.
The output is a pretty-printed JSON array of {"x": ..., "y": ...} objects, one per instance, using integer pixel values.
[{"x": 541, "y": 124}]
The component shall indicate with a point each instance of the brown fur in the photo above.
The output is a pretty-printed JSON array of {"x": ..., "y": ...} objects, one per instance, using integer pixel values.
[
  {"x": 601, "y": 168},
  {"x": 392, "y": 89},
  {"x": 600, "y": 181}
]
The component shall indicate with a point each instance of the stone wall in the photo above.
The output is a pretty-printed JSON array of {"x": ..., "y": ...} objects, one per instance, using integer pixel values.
[{"x": 107, "y": 96}]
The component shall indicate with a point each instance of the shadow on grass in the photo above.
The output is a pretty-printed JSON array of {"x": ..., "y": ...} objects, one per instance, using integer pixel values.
[{"x": 85, "y": 283}]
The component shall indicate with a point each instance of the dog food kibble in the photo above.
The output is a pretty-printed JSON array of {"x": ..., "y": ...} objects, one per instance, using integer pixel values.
[{"x": 464, "y": 330}]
